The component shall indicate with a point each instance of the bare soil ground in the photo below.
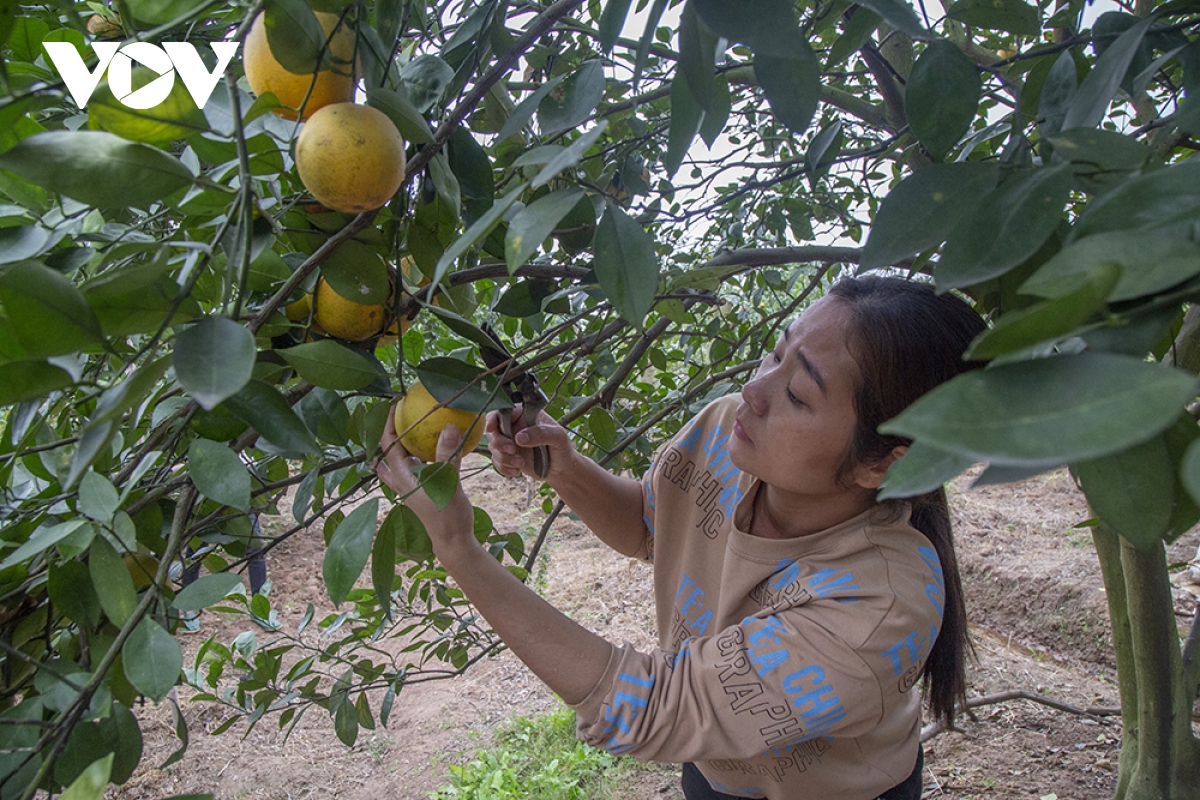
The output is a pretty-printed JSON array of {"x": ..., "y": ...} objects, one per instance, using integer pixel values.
[{"x": 1035, "y": 599}]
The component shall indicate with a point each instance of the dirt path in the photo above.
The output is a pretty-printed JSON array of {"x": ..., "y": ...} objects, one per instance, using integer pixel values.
[{"x": 1034, "y": 596}]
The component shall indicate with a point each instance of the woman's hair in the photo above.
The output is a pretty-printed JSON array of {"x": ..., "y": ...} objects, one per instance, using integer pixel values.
[{"x": 906, "y": 340}]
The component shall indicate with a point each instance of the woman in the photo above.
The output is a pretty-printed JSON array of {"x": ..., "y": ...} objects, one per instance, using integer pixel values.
[{"x": 795, "y": 611}]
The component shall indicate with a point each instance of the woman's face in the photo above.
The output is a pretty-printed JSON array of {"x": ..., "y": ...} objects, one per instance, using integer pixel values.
[{"x": 796, "y": 419}]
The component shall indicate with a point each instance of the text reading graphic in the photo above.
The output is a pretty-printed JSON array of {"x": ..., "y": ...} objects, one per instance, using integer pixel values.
[{"x": 166, "y": 60}]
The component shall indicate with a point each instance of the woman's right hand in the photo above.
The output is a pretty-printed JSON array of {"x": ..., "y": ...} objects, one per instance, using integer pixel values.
[{"x": 512, "y": 457}]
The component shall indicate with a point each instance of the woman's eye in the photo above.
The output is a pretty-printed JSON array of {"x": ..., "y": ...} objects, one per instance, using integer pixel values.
[
  {"x": 793, "y": 399},
  {"x": 776, "y": 356}
]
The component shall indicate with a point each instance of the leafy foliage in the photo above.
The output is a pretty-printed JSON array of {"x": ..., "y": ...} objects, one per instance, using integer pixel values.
[{"x": 631, "y": 196}]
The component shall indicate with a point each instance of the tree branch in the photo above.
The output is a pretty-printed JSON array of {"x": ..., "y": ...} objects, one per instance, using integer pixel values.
[
  {"x": 773, "y": 256},
  {"x": 934, "y": 728},
  {"x": 503, "y": 64}
]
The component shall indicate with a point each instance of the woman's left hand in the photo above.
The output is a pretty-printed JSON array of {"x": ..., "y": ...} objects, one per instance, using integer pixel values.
[{"x": 452, "y": 526}]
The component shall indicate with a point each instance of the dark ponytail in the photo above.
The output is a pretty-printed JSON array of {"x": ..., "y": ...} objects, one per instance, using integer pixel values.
[{"x": 907, "y": 340}]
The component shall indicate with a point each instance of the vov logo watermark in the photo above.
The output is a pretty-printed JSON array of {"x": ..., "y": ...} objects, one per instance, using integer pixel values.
[{"x": 167, "y": 60}]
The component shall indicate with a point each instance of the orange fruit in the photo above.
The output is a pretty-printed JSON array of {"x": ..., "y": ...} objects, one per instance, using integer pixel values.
[
  {"x": 420, "y": 420},
  {"x": 350, "y": 157},
  {"x": 343, "y": 318},
  {"x": 334, "y": 84}
]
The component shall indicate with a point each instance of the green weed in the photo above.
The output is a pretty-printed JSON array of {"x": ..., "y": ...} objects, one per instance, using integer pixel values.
[{"x": 533, "y": 758}]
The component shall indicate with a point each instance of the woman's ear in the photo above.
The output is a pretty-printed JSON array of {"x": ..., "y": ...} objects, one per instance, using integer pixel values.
[{"x": 869, "y": 476}]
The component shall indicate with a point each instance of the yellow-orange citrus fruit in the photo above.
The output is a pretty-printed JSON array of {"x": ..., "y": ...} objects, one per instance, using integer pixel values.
[
  {"x": 299, "y": 310},
  {"x": 142, "y": 568},
  {"x": 345, "y": 319},
  {"x": 332, "y": 85},
  {"x": 350, "y": 157},
  {"x": 419, "y": 422}
]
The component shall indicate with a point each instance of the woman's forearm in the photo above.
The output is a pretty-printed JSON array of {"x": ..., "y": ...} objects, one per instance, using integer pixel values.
[
  {"x": 566, "y": 656},
  {"x": 608, "y": 504}
]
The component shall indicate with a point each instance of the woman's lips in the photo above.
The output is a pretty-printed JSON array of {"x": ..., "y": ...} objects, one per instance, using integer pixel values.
[{"x": 740, "y": 432}]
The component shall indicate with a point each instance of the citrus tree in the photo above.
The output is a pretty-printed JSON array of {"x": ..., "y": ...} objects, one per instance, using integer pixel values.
[{"x": 211, "y": 293}]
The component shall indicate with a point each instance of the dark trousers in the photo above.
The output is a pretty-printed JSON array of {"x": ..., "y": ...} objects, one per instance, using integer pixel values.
[{"x": 695, "y": 787}]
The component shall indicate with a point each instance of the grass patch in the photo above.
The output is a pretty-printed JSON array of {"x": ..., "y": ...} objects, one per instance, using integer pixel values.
[{"x": 535, "y": 757}]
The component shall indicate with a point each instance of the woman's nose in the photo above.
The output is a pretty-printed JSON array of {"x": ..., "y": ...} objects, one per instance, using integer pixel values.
[{"x": 754, "y": 395}]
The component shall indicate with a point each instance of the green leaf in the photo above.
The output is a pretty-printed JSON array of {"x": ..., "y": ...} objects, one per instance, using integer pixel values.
[
  {"x": 626, "y": 264},
  {"x": 580, "y": 93},
  {"x": 1009, "y": 225},
  {"x": 568, "y": 156},
  {"x": 407, "y": 119},
  {"x": 69, "y": 586},
  {"x": 261, "y": 406},
  {"x": 697, "y": 59},
  {"x": 470, "y": 164},
  {"x": 714, "y": 123},
  {"x": 521, "y": 115},
  {"x": 922, "y": 469},
  {"x": 1155, "y": 199},
  {"x": 98, "y": 498},
  {"x": 97, "y": 168},
  {"x": 1100, "y": 86},
  {"x": 855, "y": 34},
  {"x": 478, "y": 230},
  {"x": 348, "y": 550},
  {"x": 92, "y": 782},
  {"x": 213, "y": 359},
  {"x": 767, "y": 27},
  {"x": 326, "y": 415},
  {"x": 534, "y": 223},
  {"x": 383, "y": 564},
  {"x": 1148, "y": 263},
  {"x": 160, "y": 12},
  {"x": 426, "y": 78},
  {"x": 941, "y": 96},
  {"x": 461, "y": 385},
  {"x": 440, "y": 482},
  {"x": 1013, "y": 16},
  {"x": 208, "y": 591},
  {"x": 30, "y": 380},
  {"x": 112, "y": 582},
  {"x": 1189, "y": 470},
  {"x": 345, "y": 724},
  {"x": 177, "y": 117},
  {"x": 219, "y": 474},
  {"x": 294, "y": 35},
  {"x": 40, "y": 300},
  {"x": 1049, "y": 411},
  {"x": 686, "y": 117},
  {"x": 792, "y": 84},
  {"x": 1132, "y": 490},
  {"x": 1100, "y": 150},
  {"x": 356, "y": 272},
  {"x": 612, "y": 20},
  {"x": 153, "y": 660},
  {"x": 923, "y": 208},
  {"x": 1057, "y": 93},
  {"x": 1017, "y": 330},
  {"x": 898, "y": 14},
  {"x": 408, "y": 534},
  {"x": 42, "y": 539},
  {"x": 133, "y": 390},
  {"x": 22, "y": 242},
  {"x": 445, "y": 182},
  {"x": 525, "y": 298},
  {"x": 331, "y": 365},
  {"x": 823, "y": 151}
]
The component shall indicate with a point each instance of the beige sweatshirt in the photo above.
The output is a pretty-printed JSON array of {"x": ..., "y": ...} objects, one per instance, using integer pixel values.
[{"x": 786, "y": 668}]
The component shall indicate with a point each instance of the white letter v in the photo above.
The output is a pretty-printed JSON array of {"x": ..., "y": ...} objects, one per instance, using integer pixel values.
[{"x": 80, "y": 83}]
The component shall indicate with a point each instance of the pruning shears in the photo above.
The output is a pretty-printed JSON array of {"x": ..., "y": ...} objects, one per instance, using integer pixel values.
[{"x": 521, "y": 386}]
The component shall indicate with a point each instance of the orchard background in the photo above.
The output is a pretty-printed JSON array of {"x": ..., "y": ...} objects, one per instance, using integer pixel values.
[{"x": 637, "y": 216}]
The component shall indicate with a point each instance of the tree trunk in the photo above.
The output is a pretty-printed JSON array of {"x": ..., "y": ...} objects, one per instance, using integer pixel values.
[
  {"x": 1167, "y": 765},
  {"x": 1108, "y": 549}
]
